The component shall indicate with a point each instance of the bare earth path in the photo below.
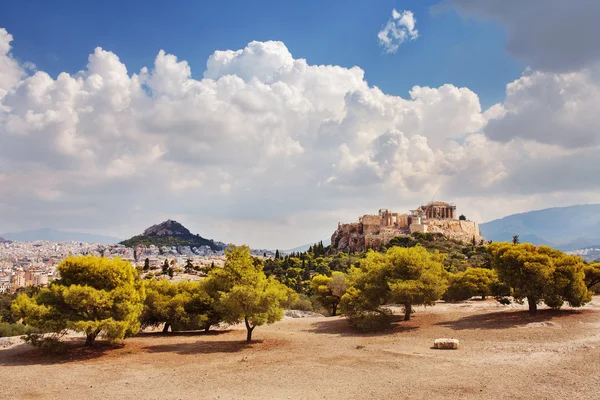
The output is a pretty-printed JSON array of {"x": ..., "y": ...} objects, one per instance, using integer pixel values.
[{"x": 505, "y": 354}]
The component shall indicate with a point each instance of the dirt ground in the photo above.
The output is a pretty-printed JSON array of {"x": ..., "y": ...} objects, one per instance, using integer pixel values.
[{"x": 505, "y": 353}]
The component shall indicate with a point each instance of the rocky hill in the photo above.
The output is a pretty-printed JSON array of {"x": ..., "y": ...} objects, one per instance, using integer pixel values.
[
  {"x": 2, "y": 240},
  {"x": 376, "y": 231},
  {"x": 171, "y": 233}
]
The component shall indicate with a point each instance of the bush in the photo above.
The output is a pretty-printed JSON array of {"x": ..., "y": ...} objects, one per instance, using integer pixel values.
[
  {"x": 371, "y": 321},
  {"x": 303, "y": 303},
  {"x": 7, "y": 329}
]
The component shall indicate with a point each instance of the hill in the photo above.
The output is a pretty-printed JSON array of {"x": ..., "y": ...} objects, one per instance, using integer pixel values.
[
  {"x": 51, "y": 235},
  {"x": 171, "y": 233},
  {"x": 565, "y": 228},
  {"x": 2, "y": 240},
  {"x": 304, "y": 247}
]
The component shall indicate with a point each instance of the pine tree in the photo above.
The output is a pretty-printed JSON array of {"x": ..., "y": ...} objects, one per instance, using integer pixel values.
[
  {"x": 165, "y": 267},
  {"x": 146, "y": 264}
]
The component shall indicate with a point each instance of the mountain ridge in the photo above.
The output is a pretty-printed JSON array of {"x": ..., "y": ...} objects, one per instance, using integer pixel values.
[{"x": 565, "y": 228}]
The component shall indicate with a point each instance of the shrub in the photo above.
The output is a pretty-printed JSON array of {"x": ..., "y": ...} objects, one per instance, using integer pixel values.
[
  {"x": 7, "y": 329},
  {"x": 303, "y": 303},
  {"x": 371, "y": 321}
]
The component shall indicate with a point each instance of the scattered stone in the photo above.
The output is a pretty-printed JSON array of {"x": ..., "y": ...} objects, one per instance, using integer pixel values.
[
  {"x": 301, "y": 314},
  {"x": 445, "y": 344}
]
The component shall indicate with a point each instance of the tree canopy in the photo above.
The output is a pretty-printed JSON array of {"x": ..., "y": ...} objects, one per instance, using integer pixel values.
[
  {"x": 94, "y": 295},
  {"x": 245, "y": 293},
  {"x": 540, "y": 274}
]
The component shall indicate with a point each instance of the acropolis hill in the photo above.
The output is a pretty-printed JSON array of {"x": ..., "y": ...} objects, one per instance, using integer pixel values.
[{"x": 375, "y": 231}]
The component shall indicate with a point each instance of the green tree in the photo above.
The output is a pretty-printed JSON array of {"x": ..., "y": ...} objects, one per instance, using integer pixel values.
[
  {"x": 189, "y": 266},
  {"x": 540, "y": 274},
  {"x": 146, "y": 264},
  {"x": 592, "y": 276},
  {"x": 472, "y": 282},
  {"x": 408, "y": 276},
  {"x": 245, "y": 293},
  {"x": 516, "y": 240},
  {"x": 171, "y": 272},
  {"x": 329, "y": 290},
  {"x": 94, "y": 295},
  {"x": 179, "y": 306},
  {"x": 165, "y": 267}
]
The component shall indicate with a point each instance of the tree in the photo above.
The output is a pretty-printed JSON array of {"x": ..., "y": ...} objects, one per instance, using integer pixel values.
[
  {"x": 165, "y": 267},
  {"x": 94, "y": 295},
  {"x": 171, "y": 272},
  {"x": 179, "y": 306},
  {"x": 245, "y": 293},
  {"x": 540, "y": 274},
  {"x": 472, "y": 282},
  {"x": 462, "y": 217},
  {"x": 146, "y": 264},
  {"x": 277, "y": 254},
  {"x": 516, "y": 240},
  {"x": 592, "y": 275},
  {"x": 189, "y": 266},
  {"x": 329, "y": 290},
  {"x": 407, "y": 276},
  {"x": 417, "y": 278}
]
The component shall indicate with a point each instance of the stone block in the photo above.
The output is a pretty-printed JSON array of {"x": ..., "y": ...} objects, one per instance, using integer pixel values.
[{"x": 445, "y": 344}]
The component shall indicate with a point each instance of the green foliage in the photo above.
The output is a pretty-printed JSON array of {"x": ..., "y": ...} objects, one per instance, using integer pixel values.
[
  {"x": 10, "y": 329},
  {"x": 94, "y": 295},
  {"x": 245, "y": 293},
  {"x": 472, "y": 282},
  {"x": 146, "y": 264},
  {"x": 540, "y": 274},
  {"x": 371, "y": 321},
  {"x": 329, "y": 290},
  {"x": 179, "y": 306},
  {"x": 170, "y": 241},
  {"x": 407, "y": 276},
  {"x": 592, "y": 277}
]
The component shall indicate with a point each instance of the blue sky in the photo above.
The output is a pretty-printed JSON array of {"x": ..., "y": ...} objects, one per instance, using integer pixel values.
[
  {"x": 274, "y": 137},
  {"x": 451, "y": 49}
]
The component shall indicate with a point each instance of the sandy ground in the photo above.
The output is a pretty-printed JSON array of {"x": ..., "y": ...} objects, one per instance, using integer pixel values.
[{"x": 504, "y": 353}]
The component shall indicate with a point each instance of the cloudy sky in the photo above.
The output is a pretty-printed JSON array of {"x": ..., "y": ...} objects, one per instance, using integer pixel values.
[{"x": 267, "y": 123}]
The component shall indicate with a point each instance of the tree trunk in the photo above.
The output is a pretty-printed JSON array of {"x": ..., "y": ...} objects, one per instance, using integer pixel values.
[
  {"x": 90, "y": 338},
  {"x": 250, "y": 329},
  {"x": 532, "y": 305},
  {"x": 166, "y": 327},
  {"x": 206, "y": 328},
  {"x": 334, "y": 310},
  {"x": 407, "y": 311}
]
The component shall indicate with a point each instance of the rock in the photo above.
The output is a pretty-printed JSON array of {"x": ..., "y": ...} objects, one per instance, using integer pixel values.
[
  {"x": 445, "y": 344},
  {"x": 301, "y": 314}
]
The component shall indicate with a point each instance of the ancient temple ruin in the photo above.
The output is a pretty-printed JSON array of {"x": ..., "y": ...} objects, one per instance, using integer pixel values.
[{"x": 374, "y": 231}]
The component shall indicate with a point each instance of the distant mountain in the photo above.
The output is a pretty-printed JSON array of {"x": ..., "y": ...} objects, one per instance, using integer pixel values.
[
  {"x": 52, "y": 235},
  {"x": 2, "y": 240},
  {"x": 565, "y": 228},
  {"x": 171, "y": 233},
  {"x": 304, "y": 247}
]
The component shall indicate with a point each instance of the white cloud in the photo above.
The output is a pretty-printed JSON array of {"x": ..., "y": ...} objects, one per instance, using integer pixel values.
[
  {"x": 399, "y": 28},
  {"x": 273, "y": 144},
  {"x": 10, "y": 71}
]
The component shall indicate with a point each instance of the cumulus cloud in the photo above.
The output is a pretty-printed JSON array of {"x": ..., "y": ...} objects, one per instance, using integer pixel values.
[
  {"x": 10, "y": 70},
  {"x": 549, "y": 35},
  {"x": 269, "y": 144},
  {"x": 399, "y": 28}
]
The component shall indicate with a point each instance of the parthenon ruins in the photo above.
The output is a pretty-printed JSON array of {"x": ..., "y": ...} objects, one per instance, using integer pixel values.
[{"x": 373, "y": 231}]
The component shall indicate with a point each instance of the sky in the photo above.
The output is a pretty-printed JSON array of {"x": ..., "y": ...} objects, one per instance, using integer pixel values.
[{"x": 269, "y": 122}]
